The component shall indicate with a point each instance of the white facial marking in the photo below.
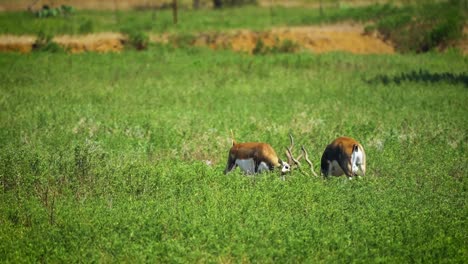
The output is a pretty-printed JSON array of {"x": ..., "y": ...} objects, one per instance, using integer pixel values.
[
  {"x": 285, "y": 167},
  {"x": 356, "y": 160}
]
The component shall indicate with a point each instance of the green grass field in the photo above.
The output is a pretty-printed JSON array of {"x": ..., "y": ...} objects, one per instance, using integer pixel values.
[
  {"x": 189, "y": 21},
  {"x": 413, "y": 27},
  {"x": 103, "y": 157}
]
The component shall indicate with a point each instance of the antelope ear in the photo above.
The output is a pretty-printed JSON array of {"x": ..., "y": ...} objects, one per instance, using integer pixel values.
[{"x": 355, "y": 148}]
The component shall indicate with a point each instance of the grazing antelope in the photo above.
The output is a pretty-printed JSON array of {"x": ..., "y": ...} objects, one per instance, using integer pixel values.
[
  {"x": 344, "y": 155},
  {"x": 254, "y": 157}
]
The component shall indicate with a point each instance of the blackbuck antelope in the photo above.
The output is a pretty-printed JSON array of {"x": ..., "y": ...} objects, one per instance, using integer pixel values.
[
  {"x": 254, "y": 157},
  {"x": 344, "y": 155},
  {"x": 295, "y": 161}
]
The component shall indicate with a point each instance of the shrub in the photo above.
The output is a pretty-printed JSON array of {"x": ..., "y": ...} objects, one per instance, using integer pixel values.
[
  {"x": 44, "y": 42},
  {"x": 285, "y": 46},
  {"x": 182, "y": 40},
  {"x": 434, "y": 26},
  {"x": 63, "y": 10},
  {"x": 86, "y": 27},
  {"x": 137, "y": 39},
  {"x": 231, "y": 3}
]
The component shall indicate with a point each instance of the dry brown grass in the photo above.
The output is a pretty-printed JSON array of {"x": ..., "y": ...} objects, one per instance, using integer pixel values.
[
  {"x": 342, "y": 37},
  {"x": 346, "y": 37},
  {"x": 100, "y": 42},
  {"x": 21, "y": 44},
  {"x": 317, "y": 39}
]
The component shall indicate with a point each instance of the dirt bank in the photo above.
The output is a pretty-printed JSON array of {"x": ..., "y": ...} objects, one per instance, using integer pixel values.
[{"x": 317, "y": 39}]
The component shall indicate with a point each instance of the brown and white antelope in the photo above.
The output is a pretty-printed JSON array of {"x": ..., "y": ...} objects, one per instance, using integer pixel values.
[
  {"x": 344, "y": 156},
  {"x": 254, "y": 157}
]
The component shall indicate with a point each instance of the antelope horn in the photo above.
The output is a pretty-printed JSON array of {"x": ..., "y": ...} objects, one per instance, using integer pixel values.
[
  {"x": 290, "y": 157},
  {"x": 306, "y": 157},
  {"x": 289, "y": 154}
]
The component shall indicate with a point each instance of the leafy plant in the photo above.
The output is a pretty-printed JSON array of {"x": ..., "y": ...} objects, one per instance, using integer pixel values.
[
  {"x": 183, "y": 40},
  {"x": 137, "y": 39},
  {"x": 44, "y": 42},
  {"x": 63, "y": 10},
  {"x": 284, "y": 46},
  {"x": 434, "y": 26},
  {"x": 86, "y": 27},
  {"x": 231, "y": 3}
]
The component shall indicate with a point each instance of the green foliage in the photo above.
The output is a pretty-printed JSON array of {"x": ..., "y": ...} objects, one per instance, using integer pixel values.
[
  {"x": 44, "y": 42},
  {"x": 285, "y": 46},
  {"x": 137, "y": 39},
  {"x": 120, "y": 157},
  {"x": 232, "y": 3},
  {"x": 63, "y": 10},
  {"x": 86, "y": 27},
  {"x": 203, "y": 20},
  {"x": 182, "y": 40},
  {"x": 411, "y": 28},
  {"x": 424, "y": 29}
]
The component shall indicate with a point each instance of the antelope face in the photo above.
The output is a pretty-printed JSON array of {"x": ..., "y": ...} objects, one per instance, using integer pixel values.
[
  {"x": 357, "y": 161},
  {"x": 285, "y": 167}
]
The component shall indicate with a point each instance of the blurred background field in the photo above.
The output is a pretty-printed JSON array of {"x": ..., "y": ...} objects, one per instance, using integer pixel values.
[
  {"x": 406, "y": 26},
  {"x": 119, "y": 156}
]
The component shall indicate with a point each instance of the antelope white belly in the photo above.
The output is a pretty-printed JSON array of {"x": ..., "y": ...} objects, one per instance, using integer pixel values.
[
  {"x": 248, "y": 166},
  {"x": 263, "y": 167}
]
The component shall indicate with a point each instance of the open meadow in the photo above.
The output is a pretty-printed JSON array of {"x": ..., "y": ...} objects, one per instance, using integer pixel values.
[{"x": 119, "y": 157}]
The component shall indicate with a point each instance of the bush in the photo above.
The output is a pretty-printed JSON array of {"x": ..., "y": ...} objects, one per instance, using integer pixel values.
[
  {"x": 137, "y": 39},
  {"x": 182, "y": 40},
  {"x": 434, "y": 26},
  {"x": 448, "y": 30},
  {"x": 63, "y": 10},
  {"x": 231, "y": 3},
  {"x": 44, "y": 42},
  {"x": 86, "y": 27},
  {"x": 285, "y": 46}
]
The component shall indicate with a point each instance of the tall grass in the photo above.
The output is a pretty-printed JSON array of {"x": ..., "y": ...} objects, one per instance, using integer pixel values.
[
  {"x": 257, "y": 18},
  {"x": 119, "y": 157},
  {"x": 410, "y": 28},
  {"x": 425, "y": 27}
]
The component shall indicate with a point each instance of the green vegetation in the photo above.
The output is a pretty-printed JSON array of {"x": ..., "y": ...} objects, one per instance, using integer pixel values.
[
  {"x": 412, "y": 28},
  {"x": 421, "y": 29},
  {"x": 105, "y": 157},
  {"x": 63, "y": 10},
  {"x": 196, "y": 20},
  {"x": 137, "y": 39},
  {"x": 119, "y": 157},
  {"x": 44, "y": 43},
  {"x": 285, "y": 46}
]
